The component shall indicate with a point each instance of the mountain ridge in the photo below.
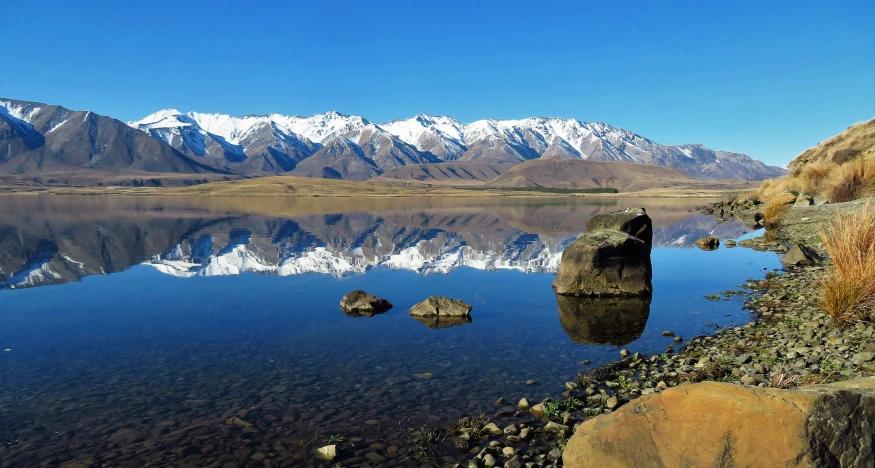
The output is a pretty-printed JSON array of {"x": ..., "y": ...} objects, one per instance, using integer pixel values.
[{"x": 337, "y": 145}]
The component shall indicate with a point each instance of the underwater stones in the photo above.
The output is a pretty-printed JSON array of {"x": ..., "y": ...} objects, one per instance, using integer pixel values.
[
  {"x": 605, "y": 262},
  {"x": 328, "y": 452}
]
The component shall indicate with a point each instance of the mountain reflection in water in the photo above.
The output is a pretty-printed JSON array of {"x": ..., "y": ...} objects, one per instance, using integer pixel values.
[{"x": 47, "y": 241}]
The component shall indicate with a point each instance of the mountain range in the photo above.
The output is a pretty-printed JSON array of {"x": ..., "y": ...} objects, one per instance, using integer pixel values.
[{"x": 36, "y": 137}]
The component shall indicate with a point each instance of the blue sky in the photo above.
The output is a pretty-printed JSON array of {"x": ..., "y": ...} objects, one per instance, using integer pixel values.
[{"x": 766, "y": 78}]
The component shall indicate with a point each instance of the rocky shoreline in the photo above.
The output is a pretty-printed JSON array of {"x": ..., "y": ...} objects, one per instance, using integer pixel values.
[{"x": 788, "y": 342}]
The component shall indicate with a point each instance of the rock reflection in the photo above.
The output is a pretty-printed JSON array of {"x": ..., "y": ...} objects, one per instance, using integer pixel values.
[
  {"x": 594, "y": 320},
  {"x": 439, "y": 321}
]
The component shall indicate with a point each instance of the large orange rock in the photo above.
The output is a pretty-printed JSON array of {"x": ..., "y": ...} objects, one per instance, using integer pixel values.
[{"x": 713, "y": 424}]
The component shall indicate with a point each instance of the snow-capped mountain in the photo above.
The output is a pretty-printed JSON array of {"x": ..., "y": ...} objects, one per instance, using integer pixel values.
[
  {"x": 431, "y": 139},
  {"x": 36, "y": 137}
]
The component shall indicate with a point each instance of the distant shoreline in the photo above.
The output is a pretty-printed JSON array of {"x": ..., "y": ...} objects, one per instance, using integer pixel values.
[{"x": 300, "y": 187}]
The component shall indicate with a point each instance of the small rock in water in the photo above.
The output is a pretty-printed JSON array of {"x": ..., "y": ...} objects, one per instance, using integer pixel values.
[
  {"x": 508, "y": 452},
  {"x": 530, "y": 382},
  {"x": 514, "y": 462},
  {"x": 624, "y": 352},
  {"x": 678, "y": 339},
  {"x": 492, "y": 428},
  {"x": 585, "y": 362},
  {"x": 555, "y": 428},
  {"x": 523, "y": 404},
  {"x": 328, "y": 452},
  {"x": 668, "y": 333},
  {"x": 488, "y": 460}
]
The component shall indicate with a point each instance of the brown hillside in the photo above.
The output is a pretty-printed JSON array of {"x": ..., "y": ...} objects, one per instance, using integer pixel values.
[
  {"x": 581, "y": 174},
  {"x": 857, "y": 141},
  {"x": 840, "y": 169},
  {"x": 449, "y": 173}
]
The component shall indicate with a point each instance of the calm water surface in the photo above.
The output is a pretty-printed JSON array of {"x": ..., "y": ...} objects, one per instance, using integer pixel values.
[{"x": 132, "y": 327}]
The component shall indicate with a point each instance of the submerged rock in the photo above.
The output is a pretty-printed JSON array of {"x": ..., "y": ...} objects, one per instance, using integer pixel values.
[
  {"x": 603, "y": 320},
  {"x": 632, "y": 221},
  {"x": 800, "y": 255},
  {"x": 359, "y": 303},
  {"x": 328, "y": 452},
  {"x": 442, "y": 321},
  {"x": 441, "y": 306},
  {"x": 605, "y": 262},
  {"x": 729, "y": 425}
]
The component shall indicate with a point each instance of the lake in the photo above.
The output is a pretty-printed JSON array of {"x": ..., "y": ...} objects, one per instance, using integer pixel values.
[{"x": 132, "y": 330}]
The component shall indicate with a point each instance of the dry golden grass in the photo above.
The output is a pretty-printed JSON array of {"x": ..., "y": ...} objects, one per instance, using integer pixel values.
[
  {"x": 812, "y": 177},
  {"x": 858, "y": 141},
  {"x": 851, "y": 181},
  {"x": 776, "y": 208},
  {"x": 848, "y": 291},
  {"x": 841, "y": 168}
]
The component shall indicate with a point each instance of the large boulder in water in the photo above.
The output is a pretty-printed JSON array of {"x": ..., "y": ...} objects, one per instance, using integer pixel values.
[
  {"x": 359, "y": 303},
  {"x": 632, "y": 221},
  {"x": 605, "y": 262},
  {"x": 441, "y": 306},
  {"x": 719, "y": 424},
  {"x": 603, "y": 320}
]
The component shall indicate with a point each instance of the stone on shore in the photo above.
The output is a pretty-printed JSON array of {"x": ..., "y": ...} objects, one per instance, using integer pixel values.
[
  {"x": 603, "y": 320},
  {"x": 804, "y": 200},
  {"x": 800, "y": 255},
  {"x": 442, "y": 307},
  {"x": 605, "y": 262},
  {"x": 359, "y": 303},
  {"x": 632, "y": 221},
  {"x": 729, "y": 425}
]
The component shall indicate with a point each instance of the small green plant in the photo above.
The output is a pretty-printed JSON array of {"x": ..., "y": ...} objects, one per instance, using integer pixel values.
[
  {"x": 627, "y": 383},
  {"x": 335, "y": 439},
  {"x": 712, "y": 297},
  {"x": 553, "y": 409}
]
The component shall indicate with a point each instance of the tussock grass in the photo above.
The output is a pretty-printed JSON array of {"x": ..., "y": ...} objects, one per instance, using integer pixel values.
[
  {"x": 853, "y": 180},
  {"x": 775, "y": 209},
  {"x": 848, "y": 290}
]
